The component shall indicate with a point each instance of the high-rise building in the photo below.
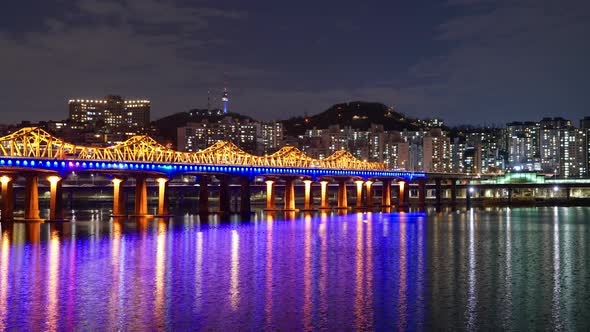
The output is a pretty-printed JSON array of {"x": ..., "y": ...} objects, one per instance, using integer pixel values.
[
  {"x": 573, "y": 153},
  {"x": 437, "y": 152},
  {"x": 557, "y": 123},
  {"x": 415, "y": 149},
  {"x": 360, "y": 143},
  {"x": 523, "y": 146},
  {"x": 335, "y": 139},
  {"x": 269, "y": 137},
  {"x": 312, "y": 143},
  {"x": 398, "y": 155},
  {"x": 389, "y": 147},
  {"x": 457, "y": 155},
  {"x": 487, "y": 142},
  {"x": 199, "y": 135},
  {"x": 549, "y": 149},
  {"x": 110, "y": 113},
  {"x": 193, "y": 137}
]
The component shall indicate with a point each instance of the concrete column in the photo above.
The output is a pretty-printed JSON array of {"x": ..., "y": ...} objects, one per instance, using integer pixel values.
[
  {"x": 244, "y": 194},
  {"x": 203, "y": 194},
  {"x": 453, "y": 192},
  {"x": 369, "y": 199},
  {"x": 509, "y": 195},
  {"x": 359, "y": 194},
  {"x": 342, "y": 196},
  {"x": 289, "y": 194},
  {"x": 7, "y": 212},
  {"x": 118, "y": 197},
  {"x": 141, "y": 203},
  {"x": 324, "y": 204},
  {"x": 55, "y": 198},
  {"x": 422, "y": 192},
  {"x": 386, "y": 193},
  {"x": 438, "y": 191},
  {"x": 407, "y": 194},
  {"x": 32, "y": 197},
  {"x": 307, "y": 201},
  {"x": 270, "y": 195},
  {"x": 468, "y": 196},
  {"x": 401, "y": 196},
  {"x": 162, "y": 196},
  {"x": 224, "y": 197}
]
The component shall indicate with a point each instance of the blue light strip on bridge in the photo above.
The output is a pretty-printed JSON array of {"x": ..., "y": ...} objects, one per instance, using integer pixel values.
[{"x": 66, "y": 166}]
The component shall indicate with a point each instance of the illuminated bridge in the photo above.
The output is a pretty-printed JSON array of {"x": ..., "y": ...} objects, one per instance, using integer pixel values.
[{"x": 36, "y": 155}]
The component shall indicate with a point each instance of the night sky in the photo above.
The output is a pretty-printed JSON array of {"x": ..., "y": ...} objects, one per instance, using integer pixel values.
[{"x": 466, "y": 61}]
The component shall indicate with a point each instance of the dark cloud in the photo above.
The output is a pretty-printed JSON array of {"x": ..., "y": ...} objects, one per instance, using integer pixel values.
[{"x": 468, "y": 61}]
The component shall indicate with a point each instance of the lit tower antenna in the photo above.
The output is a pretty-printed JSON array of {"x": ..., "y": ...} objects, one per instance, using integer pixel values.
[
  {"x": 224, "y": 99},
  {"x": 208, "y": 100}
]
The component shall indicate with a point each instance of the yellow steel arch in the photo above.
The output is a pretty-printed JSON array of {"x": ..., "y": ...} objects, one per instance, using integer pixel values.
[{"x": 36, "y": 143}]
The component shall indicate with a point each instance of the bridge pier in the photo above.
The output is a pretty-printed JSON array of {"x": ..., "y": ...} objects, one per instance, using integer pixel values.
[
  {"x": 32, "y": 197},
  {"x": 308, "y": 196},
  {"x": 359, "y": 194},
  {"x": 422, "y": 193},
  {"x": 453, "y": 193},
  {"x": 342, "y": 196},
  {"x": 118, "y": 197},
  {"x": 141, "y": 203},
  {"x": 289, "y": 194},
  {"x": 244, "y": 194},
  {"x": 7, "y": 212},
  {"x": 203, "y": 194},
  {"x": 224, "y": 196},
  {"x": 369, "y": 194},
  {"x": 401, "y": 196},
  {"x": 324, "y": 204},
  {"x": 386, "y": 193},
  {"x": 438, "y": 192},
  {"x": 162, "y": 197},
  {"x": 270, "y": 195},
  {"x": 55, "y": 198}
]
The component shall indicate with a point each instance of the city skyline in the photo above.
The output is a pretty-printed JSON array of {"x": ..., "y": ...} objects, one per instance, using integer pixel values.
[
  {"x": 327, "y": 165},
  {"x": 420, "y": 58}
]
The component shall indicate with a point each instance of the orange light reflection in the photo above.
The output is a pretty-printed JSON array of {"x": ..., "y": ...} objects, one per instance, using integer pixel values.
[
  {"x": 4, "y": 260},
  {"x": 53, "y": 289}
]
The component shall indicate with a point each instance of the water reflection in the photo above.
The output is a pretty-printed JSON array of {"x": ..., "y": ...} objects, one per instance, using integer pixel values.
[
  {"x": 118, "y": 277},
  {"x": 268, "y": 307},
  {"x": 472, "y": 268},
  {"x": 235, "y": 269},
  {"x": 4, "y": 261},
  {"x": 53, "y": 277},
  {"x": 307, "y": 277},
  {"x": 160, "y": 273},
  {"x": 384, "y": 271},
  {"x": 556, "y": 303},
  {"x": 402, "y": 295},
  {"x": 359, "y": 308},
  {"x": 199, "y": 272}
]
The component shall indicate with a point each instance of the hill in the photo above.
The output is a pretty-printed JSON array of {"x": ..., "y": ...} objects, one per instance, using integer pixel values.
[{"x": 356, "y": 114}]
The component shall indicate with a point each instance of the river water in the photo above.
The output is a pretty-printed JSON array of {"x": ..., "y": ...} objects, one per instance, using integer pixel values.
[{"x": 513, "y": 269}]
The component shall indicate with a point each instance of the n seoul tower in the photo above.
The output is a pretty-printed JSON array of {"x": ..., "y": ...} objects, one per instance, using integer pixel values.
[{"x": 224, "y": 99}]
